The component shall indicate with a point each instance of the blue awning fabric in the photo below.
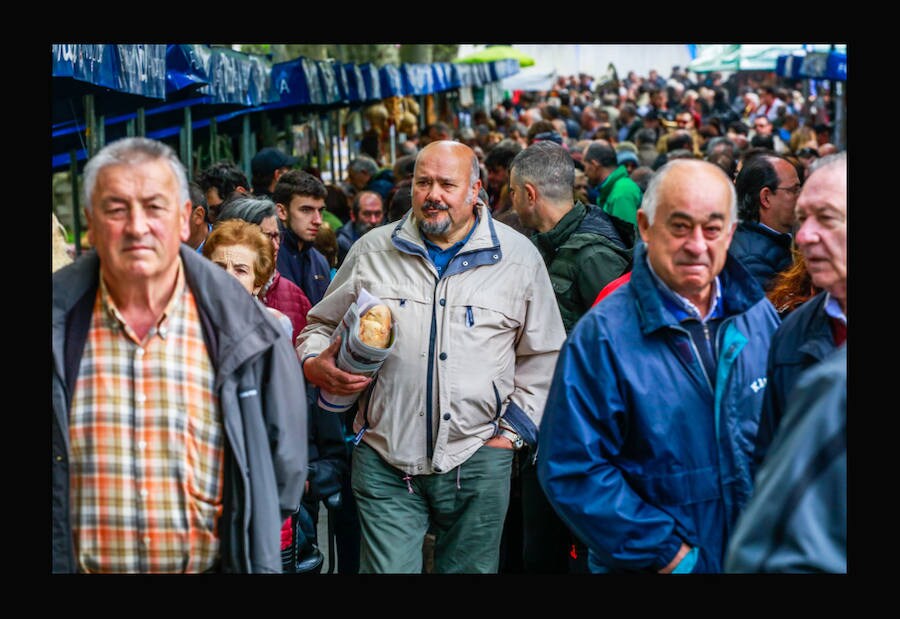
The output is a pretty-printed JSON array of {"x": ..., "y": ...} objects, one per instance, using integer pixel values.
[
  {"x": 133, "y": 69},
  {"x": 187, "y": 66}
]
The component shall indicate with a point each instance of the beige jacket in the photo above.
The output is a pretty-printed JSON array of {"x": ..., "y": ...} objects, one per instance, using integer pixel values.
[{"x": 478, "y": 344}]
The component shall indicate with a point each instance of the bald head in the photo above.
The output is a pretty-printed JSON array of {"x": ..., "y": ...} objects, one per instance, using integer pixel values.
[
  {"x": 450, "y": 148},
  {"x": 445, "y": 186}
]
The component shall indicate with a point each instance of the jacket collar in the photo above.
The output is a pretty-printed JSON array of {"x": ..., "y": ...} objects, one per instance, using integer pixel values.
[
  {"x": 483, "y": 247},
  {"x": 779, "y": 237},
  {"x": 739, "y": 291},
  {"x": 293, "y": 243},
  {"x": 550, "y": 241}
]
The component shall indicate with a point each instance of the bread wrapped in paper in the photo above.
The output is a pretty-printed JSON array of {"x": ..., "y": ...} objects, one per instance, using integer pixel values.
[
  {"x": 368, "y": 333},
  {"x": 375, "y": 326}
]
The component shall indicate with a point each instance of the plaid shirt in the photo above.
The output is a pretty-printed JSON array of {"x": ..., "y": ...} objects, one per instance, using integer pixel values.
[{"x": 147, "y": 442}]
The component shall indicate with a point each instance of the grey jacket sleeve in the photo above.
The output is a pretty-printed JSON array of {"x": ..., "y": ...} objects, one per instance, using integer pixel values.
[{"x": 285, "y": 411}]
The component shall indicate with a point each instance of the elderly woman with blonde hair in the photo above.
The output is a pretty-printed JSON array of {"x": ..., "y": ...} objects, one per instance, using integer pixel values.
[{"x": 243, "y": 250}]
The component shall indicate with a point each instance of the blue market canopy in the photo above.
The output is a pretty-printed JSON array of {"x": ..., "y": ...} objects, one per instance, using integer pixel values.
[
  {"x": 831, "y": 65},
  {"x": 132, "y": 69},
  {"x": 122, "y": 78},
  {"x": 418, "y": 79},
  {"x": 391, "y": 82},
  {"x": 237, "y": 78},
  {"x": 747, "y": 57},
  {"x": 190, "y": 84},
  {"x": 372, "y": 81},
  {"x": 187, "y": 68}
]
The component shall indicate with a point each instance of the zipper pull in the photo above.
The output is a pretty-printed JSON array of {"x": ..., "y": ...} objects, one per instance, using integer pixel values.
[{"x": 359, "y": 435}]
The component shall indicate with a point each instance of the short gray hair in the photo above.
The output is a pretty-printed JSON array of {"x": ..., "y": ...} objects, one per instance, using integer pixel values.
[
  {"x": 549, "y": 167},
  {"x": 248, "y": 208},
  {"x": 651, "y": 197},
  {"x": 130, "y": 151},
  {"x": 363, "y": 164}
]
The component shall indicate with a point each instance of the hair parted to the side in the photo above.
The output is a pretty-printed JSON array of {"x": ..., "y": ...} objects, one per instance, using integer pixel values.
[{"x": 131, "y": 151}]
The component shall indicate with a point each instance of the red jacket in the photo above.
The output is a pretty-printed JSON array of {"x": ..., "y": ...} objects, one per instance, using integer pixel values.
[{"x": 288, "y": 298}]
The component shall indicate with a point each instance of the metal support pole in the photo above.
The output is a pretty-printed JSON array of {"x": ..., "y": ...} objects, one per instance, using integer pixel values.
[
  {"x": 188, "y": 159},
  {"x": 320, "y": 143},
  {"x": 213, "y": 140},
  {"x": 266, "y": 130},
  {"x": 340, "y": 159},
  {"x": 289, "y": 133},
  {"x": 331, "y": 158},
  {"x": 76, "y": 215},
  {"x": 245, "y": 147},
  {"x": 129, "y": 128},
  {"x": 90, "y": 122},
  {"x": 101, "y": 131},
  {"x": 422, "y": 113},
  {"x": 141, "y": 122}
]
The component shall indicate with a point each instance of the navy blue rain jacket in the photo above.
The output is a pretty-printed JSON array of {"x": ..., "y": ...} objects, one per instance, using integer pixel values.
[{"x": 637, "y": 453}]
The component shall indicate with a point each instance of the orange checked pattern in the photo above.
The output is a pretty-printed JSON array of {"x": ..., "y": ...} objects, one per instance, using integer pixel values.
[{"x": 147, "y": 444}]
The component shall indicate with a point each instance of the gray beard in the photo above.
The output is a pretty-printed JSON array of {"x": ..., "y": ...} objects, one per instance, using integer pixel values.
[{"x": 434, "y": 227}]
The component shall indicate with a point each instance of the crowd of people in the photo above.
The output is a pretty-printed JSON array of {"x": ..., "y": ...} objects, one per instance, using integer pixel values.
[{"x": 620, "y": 316}]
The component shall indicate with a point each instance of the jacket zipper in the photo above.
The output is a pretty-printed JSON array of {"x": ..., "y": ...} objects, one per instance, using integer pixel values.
[
  {"x": 429, "y": 388},
  {"x": 699, "y": 359}
]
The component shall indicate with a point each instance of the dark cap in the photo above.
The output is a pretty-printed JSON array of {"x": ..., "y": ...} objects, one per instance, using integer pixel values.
[{"x": 270, "y": 159}]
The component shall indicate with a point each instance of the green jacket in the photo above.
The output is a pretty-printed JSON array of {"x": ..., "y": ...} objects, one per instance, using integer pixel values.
[
  {"x": 620, "y": 196},
  {"x": 585, "y": 251}
]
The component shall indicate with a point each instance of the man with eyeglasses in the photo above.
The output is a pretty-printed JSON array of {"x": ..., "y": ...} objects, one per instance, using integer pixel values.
[{"x": 767, "y": 188}]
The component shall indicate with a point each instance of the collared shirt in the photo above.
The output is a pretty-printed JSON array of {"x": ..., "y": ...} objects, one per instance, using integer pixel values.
[
  {"x": 683, "y": 309},
  {"x": 147, "y": 444},
  {"x": 442, "y": 257},
  {"x": 833, "y": 308},
  {"x": 701, "y": 329}
]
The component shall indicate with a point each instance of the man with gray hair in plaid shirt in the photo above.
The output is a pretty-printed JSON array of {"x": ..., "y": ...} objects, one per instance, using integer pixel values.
[{"x": 178, "y": 434}]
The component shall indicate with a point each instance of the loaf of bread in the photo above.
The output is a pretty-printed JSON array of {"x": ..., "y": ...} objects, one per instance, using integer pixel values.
[{"x": 375, "y": 326}]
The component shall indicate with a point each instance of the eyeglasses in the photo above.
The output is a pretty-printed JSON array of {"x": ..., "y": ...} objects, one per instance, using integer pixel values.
[{"x": 794, "y": 189}]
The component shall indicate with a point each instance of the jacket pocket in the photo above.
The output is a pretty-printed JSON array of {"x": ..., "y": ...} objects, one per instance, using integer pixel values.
[{"x": 695, "y": 486}]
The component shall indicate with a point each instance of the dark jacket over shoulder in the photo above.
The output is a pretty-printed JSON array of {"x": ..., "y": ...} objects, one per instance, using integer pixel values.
[
  {"x": 797, "y": 519},
  {"x": 306, "y": 267},
  {"x": 764, "y": 252},
  {"x": 260, "y": 389},
  {"x": 802, "y": 340},
  {"x": 586, "y": 250}
]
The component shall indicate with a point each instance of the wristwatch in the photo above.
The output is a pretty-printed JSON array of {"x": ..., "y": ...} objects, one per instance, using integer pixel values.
[{"x": 513, "y": 437}]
